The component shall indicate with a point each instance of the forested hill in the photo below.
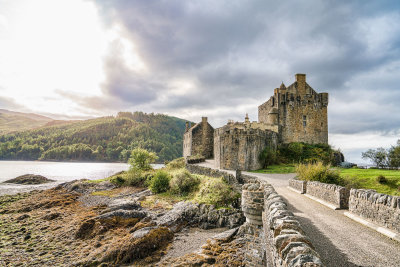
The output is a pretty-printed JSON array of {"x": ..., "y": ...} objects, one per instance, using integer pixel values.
[{"x": 102, "y": 139}]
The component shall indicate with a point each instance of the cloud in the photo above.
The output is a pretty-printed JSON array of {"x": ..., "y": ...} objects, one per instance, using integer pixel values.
[
  {"x": 9, "y": 103},
  {"x": 224, "y": 58}
]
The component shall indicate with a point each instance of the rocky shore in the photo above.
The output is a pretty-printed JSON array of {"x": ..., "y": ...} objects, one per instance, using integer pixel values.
[{"x": 98, "y": 224}]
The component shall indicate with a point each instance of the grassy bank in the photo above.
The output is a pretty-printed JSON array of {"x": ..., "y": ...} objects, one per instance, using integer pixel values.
[
  {"x": 281, "y": 168},
  {"x": 354, "y": 178},
  {"x": 368, "y": 179}
]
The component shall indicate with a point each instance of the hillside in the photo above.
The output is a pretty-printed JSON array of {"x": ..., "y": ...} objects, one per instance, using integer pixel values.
[
  {"x": 101, "y": 139},
  {"x": 11, "y": 121}
]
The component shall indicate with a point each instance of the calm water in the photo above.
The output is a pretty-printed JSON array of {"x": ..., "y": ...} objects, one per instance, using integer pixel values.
[{"x": 58, "y": 171}]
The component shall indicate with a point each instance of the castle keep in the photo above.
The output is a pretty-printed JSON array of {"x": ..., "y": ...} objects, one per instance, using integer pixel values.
[{"x": 296, "y": 113}]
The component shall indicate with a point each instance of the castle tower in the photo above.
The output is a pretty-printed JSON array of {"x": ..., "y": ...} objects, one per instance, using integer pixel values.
[{"x": 300, "y": 112}]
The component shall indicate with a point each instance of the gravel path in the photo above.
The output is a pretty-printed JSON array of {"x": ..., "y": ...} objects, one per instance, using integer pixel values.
[{"x": 339, "y": 240}]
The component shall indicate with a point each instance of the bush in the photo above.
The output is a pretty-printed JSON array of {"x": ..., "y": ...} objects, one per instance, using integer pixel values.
[
  {"x": 268, "y": 157},
  {"x": 217, "y": 192},
  {"x": 133, "y": 177},
  {"x": 178, "y": 163},
  {"x": 318, "y": 172},
  {"x": 141, "y": 159},
  {"x": 183, "y": 182},
  {"x": 381, "y": 179},
  {"x": 160, "y": 182}
]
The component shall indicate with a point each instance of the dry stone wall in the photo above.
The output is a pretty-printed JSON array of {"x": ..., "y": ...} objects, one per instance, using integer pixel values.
[
  {"x": 298, "y": 185},
  {"x": 381, "y": 209},
  {"x": 334, "y": 194}
]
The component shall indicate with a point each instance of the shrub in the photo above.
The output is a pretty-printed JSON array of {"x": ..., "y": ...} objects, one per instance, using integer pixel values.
[
  {"x": 160, "y": 182},
  {"x": 135, "y": 178},
  {"x": 176, "y": 164},
  {"x": 381, "y": 179},
  {"x": 268, "y": 157},
  {"x": 141, "y": 159},
  {"x": 318, "y": 172},
  {"x": 117, "y": 180},
  {"x": 183, "y": 182},
  {"x": 217, "y": 192}
]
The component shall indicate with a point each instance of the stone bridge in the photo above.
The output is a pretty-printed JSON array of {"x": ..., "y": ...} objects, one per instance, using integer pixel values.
[{"x": 337, "y": 239}]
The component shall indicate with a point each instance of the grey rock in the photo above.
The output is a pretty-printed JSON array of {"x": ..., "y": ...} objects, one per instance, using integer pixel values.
[
  {"x": 142, "y": 232},
  {"x": 123, "y": 214}
]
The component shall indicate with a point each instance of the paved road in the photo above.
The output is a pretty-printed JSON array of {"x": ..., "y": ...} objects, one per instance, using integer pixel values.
[{"x": 339, "y": 240}]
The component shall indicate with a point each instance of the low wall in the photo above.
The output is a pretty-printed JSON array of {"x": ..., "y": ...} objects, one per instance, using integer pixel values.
[
  {"x": 381, "y": 209},
  {"x": 288, "y": 244},
  {"x": 196, "y": 169},
  {"x": 299, "y": 185},
  {"x": 277, "y": 238},
  {"x": 334, "y": 194}
]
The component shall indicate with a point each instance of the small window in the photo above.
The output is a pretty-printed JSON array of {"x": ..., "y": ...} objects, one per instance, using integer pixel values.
[{"x": 304, "y": 121}]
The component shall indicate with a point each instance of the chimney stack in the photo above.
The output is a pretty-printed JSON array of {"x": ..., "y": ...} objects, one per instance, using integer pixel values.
[{"x": 301, "y": 83}]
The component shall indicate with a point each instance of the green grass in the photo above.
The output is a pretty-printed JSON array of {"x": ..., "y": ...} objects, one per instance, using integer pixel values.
[
  {"x": 281, "y": 168},
  {"x": 367, "y": 179}
]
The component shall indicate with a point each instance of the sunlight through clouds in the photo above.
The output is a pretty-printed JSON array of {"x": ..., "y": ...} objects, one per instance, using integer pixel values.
[{"x": 52, "y": 45}]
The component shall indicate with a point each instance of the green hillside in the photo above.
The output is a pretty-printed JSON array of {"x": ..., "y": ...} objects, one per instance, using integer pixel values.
[
  {"x": 102, "y": 139},
  {"x": 11, "y": 121}
]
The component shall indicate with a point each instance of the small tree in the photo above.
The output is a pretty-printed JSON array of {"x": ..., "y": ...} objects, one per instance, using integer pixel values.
[
  {"x": 379, "y": 156},
  {"x": 141, "y": 159},
  {"x": 394, "y": 156}
]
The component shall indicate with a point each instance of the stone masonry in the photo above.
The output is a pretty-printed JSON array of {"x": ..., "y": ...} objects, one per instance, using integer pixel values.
[
  {"x": 379, "y": 208},
  {"x": 236, "y": 148},
  {"x": 198, "y": 140}
]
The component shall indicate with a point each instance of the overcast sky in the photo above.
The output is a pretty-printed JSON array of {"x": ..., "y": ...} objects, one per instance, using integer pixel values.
[{"x": 196, "y": 58}]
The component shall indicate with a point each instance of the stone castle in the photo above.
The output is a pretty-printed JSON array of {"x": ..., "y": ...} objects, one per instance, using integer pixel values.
[{"x": 296, "y": 113}]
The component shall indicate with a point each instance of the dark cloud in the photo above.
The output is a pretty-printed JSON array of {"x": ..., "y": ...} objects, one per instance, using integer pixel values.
[{"x": 235, "y": 52}]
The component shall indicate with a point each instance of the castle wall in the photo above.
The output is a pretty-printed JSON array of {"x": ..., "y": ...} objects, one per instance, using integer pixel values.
[
  {"x": 199, "y": 140},
  {"x": 240, "y": 148}
]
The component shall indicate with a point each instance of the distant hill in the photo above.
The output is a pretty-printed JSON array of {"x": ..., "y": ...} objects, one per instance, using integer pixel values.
[
  {"x": 101, "y": 139},
  {"x": 11, "y": 121}
]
